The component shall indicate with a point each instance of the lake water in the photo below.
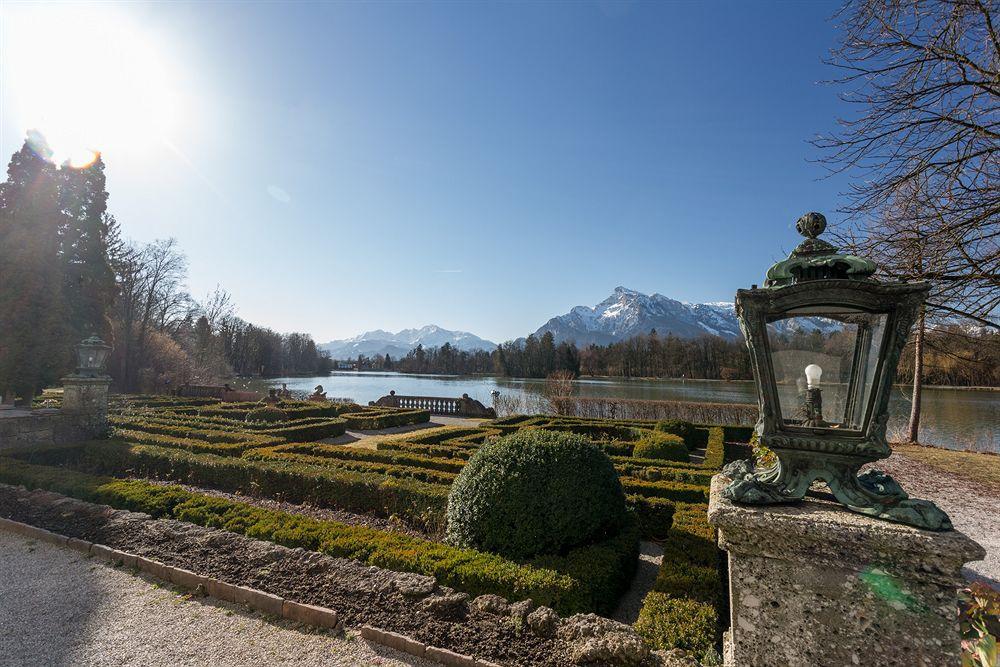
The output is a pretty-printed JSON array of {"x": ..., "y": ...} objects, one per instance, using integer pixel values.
[{"x": 954, "y": 418}]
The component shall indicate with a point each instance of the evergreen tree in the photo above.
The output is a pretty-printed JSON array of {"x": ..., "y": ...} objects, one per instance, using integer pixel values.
[
  {"x": 88, "y": 280},
  {"x": 33, "y": 350}
]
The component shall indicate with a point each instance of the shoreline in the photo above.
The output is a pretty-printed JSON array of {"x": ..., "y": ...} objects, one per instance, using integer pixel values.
[{"x": 609, "y": 378}]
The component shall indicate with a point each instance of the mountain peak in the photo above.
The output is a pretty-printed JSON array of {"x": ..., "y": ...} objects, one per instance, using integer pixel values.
[{"x": 397, "y": 345}]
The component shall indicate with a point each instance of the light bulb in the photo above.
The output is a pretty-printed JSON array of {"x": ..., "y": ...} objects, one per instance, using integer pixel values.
[{"x": 813, "y": 374}]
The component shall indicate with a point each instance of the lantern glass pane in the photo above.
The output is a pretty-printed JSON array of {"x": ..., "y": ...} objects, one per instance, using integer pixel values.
[{"x": 824, "y": 361}]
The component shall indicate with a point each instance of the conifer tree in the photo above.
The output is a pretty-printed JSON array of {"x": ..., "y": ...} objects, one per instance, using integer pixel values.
[{"x": 33, "y": 350}]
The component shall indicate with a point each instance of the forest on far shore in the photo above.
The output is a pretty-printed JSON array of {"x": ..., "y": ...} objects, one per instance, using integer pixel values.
[{"x": 953, "y": 356}]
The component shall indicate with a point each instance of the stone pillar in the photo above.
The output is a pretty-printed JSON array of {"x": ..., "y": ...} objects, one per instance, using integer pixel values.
[
  {"x": 86, "y": 400},
  {"x": 816, "y": 584}
]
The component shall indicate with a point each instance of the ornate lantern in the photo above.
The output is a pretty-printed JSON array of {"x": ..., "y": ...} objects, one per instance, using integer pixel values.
[
  {"x": 825, "y": 339},
  {"x": 92, "y": 353}
]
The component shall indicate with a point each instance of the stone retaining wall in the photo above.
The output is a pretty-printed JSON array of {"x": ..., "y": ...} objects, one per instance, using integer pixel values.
[{"x": 38, "y": 429}]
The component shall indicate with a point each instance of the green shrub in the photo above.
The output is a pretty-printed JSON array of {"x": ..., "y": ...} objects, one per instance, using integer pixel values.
[
  {"x": 655, "y": 515},
  {"x": 535, "y": 492},
  {"x": 676, "y": 491},
  {"x": 268, "y": 414},
  {"x": 375, "y": 419},
  {"x": 661, "y": 446},
  {"x": 689, "y": 433},
  {"x": 666, "y": 622},
  {"x": 359, "y": 465},
  {"x": 419, "y": 503},
  {"x": 588, "y": 579}
]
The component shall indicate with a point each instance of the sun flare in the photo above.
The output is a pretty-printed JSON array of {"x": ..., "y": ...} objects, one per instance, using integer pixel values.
[{"x": 87, "y": 79}]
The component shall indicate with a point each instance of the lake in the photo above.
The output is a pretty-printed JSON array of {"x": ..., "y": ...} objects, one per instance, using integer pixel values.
[{"x": 953, "y": 418}]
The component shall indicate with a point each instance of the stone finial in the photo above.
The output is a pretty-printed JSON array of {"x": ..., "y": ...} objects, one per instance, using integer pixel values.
[{"x": 811, "y": 224}]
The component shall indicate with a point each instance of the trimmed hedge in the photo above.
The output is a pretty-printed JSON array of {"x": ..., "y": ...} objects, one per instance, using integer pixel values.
[
  {"x": 692, "y": 435},
  {"x": 684, "y": 608},
  {"x": 599, "y": 572},
  {"x": 400, "y": 458},
  {"x": 385, "y": 418},
  {"x": 433, "y": 451},
  {"x": 535, "y": 492},
  {"x": 418, "y": 503},
  {"x": 267, "y": 413},
  {"x": 655, "y": 515},
  {"x": 668, "y": 623},
  {"x": 203, "y": 444},
  {"x": 359, "y": 465},
  {"x": 677, "y": 491},
  {"x": 661, "y": 446}
]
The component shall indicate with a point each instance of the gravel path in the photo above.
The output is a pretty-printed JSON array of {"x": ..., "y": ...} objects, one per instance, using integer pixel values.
[
  {"x": 58, "y": 607},
  {"x": 650, "y": 558},
  {"x": 973, "y": 508}
]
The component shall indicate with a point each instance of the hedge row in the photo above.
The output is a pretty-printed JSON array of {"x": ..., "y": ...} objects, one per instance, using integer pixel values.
[
  {"x": 676, "y": 491},
  {"x": 683, "y": 609},
  {"x": 433, "y": 451},
  {"x": 381, "y": 456},
  {"x": 587, "y": 579},
  {"x": 199, "y": 445},
  {"x": 373, "y": 420},
  {"x": 374, "y": 467},
  {"x": 418, "y": 503},
  {"x": 261, "y": 435}
]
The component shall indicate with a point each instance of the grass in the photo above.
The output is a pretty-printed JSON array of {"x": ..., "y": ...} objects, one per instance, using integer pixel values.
[{"x": 981, "y": 468}]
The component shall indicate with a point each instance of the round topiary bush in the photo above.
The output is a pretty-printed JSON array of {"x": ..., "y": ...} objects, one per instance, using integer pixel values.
[
  {"x": 535, "y": 492},
  {"x": 658, "y": 445},
  {"x": 267, "y": 413},
  {"x": 686, "y": 430}
]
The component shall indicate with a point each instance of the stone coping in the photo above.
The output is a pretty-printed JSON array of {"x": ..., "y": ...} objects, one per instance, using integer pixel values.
[
  {"x": 818, "y": 530},
  {"x": 307, "y": 614}
]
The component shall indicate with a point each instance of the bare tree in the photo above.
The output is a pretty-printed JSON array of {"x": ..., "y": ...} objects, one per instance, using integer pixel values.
[
  {"x": 151, "y": 298},
  {"x": 924, "y": 152},
  {"x": 559, "y": 387}
]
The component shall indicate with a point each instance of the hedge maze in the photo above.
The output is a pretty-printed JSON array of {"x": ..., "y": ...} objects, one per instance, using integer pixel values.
[{"x": 664, "y": 471}]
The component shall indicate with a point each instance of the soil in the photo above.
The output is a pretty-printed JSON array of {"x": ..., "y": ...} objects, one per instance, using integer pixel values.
[{"x": 359, "y": 593}]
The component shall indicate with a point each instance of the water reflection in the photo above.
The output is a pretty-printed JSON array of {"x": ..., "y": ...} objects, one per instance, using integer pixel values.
[{"x": 959, "y": 419}]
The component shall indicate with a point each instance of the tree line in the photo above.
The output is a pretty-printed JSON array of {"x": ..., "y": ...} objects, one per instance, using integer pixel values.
[
  {"x": 954, "y": 357},
  {"x": 66, "y": 272}
]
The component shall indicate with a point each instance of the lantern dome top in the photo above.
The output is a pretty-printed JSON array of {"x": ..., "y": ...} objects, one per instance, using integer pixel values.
[{"x": 816, "y": 259}]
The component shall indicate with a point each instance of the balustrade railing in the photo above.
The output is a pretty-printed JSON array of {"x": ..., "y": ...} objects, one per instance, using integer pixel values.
[{"x": 438, "y": 405}]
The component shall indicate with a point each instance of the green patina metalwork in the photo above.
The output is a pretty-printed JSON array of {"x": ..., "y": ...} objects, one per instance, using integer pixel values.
[{"x": 816, "y": 274}]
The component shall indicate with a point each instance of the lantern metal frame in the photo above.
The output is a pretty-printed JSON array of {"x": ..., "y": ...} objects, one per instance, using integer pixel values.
[
  {"x": 92, "y": 344},
  {"x": 814, "y": 277}
]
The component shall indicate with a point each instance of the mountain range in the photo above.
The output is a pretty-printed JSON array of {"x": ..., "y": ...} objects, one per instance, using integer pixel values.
[
  {"x": 627, "y": 313},
  {"x": 624, "y": 314},
  {"x": 397, "y": 345}
]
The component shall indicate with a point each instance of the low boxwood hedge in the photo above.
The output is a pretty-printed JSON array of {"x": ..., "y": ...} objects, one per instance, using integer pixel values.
[
  {"x": 358, "y": 465},
  {"x": 588, "y": 579},
  {"x": 374, "y": 420},
  {"x": 394, "y": 457},
  {"x": 661, "y": 447},
  {"x": 419, "y": 503}
]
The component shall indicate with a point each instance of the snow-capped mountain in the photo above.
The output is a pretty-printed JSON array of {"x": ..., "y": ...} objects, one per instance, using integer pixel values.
[
  {"x": 397, "y": 345},
  {"x": 627, "y": 313}
]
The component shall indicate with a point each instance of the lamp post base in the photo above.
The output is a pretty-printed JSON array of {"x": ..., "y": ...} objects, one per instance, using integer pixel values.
[
  {"x": 873, "y": 493},
  {"x": 814, "y": 584}
]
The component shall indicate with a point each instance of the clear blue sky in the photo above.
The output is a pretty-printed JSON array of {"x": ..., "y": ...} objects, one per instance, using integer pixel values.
[{"x": 344, "y": 167}]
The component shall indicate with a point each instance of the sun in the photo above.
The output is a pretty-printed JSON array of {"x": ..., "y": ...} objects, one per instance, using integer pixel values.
[{"x": 86, "y": 78}]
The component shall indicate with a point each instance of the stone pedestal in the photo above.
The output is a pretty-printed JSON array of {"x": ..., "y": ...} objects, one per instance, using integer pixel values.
[
  {"x": 816, "y": 584},
  {"x": 86, "y": 400}
]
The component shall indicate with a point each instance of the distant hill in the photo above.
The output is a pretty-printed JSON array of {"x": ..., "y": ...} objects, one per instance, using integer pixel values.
[
  {"x": 397, "y": 345},
  {"x": 627, "y": 313}
]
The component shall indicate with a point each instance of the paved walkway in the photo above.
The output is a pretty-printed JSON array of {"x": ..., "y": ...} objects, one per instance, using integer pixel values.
[
  {"x": 973, "y": 508},
  {"x": 435, "y": 422},
  {"x": 58, "y": 607}
]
